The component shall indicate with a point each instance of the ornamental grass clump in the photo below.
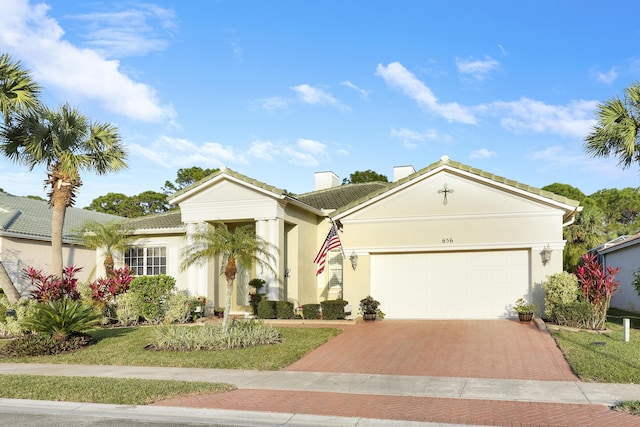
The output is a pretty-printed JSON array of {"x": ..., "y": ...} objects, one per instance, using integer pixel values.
[{"x": 240, "y": 334}]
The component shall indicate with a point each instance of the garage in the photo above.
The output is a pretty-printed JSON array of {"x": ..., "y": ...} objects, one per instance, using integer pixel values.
[{"x": 449, "y": 285}]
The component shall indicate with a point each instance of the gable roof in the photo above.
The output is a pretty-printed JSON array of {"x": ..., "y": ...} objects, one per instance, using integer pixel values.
[
  {"x": 571, "y": 206},
  {"x": 30, "y": 218},
  {"x": 161, "y": 221},
  {"x": 343, "y": 195}
]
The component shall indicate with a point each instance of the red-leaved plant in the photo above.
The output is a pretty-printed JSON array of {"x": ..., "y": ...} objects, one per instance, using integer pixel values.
[
  {"x": 104, "y": 290},
  {"x": 52, "y": 288},
  {"x": 597, "y": 284}
]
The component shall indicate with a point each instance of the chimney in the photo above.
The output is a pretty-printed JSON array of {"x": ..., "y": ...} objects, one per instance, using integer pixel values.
[
  {"x": 326, "y": 180},
  {"x": 400, "y": 172}
]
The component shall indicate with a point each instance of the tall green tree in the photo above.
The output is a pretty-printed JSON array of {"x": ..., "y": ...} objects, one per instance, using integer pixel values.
[
  {"x": 112, "y": 237},
  {"x": 359, "y": 177},
  {"x": 616, "y": 133},
  {"x": 584, "y": 234},
  {"x": 19, "y": 93},
  {"x": 620, "y": 208},
  {"x": 186, "y": 177},
  {"x": 66, "y": 142},
  {"x": 236, "y": 246}
]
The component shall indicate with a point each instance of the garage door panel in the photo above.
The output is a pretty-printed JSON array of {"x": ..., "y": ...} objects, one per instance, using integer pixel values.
[{"x": 449, "y": 285}]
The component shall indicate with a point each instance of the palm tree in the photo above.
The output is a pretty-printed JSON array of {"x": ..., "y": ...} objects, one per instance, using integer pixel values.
[
  {"x": 111, "y": 237},
  {"x": 66, "y": 142},
  {"x": 18, "y": 93},
  {"x": 238, "y": 246},
  {"x": 616, "y": 133},
  {"x": 586, "y": 233}
]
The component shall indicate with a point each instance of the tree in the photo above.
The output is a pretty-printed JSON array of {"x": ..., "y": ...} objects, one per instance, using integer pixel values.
[
  {"x": 616, "y": 133},
  {"x": 565, "y": 190},
  {"x": 152, "y": 202},
  {"x": 597, "y": 284},
  {"x": 620, "y": 208},
  {"x": 239, "y": 245},
  {"x": 359, "y": 177},
  {"x": 186, "y": 177},
  {"x": 116, "y": 204},
  {"x": 19, "y": 93},
  {"x": 111, "y": 237},
  {"x": 584, "y": 234},
  {"x": 66, "y": 142}
]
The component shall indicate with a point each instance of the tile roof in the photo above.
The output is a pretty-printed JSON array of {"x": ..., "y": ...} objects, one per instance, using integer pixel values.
[
  {"x": 343, "y": 195},
  {"x": 32, "y": 218},
  {"x": 171, "y": 219},
  {"x": 465, "y": 168}
]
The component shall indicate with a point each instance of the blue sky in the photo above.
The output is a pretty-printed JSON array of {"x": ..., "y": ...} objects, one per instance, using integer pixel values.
[{"x": 278, "y": 90}]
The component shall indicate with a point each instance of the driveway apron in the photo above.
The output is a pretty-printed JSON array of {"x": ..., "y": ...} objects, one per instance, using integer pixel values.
[{"x": 503, "y": 349}]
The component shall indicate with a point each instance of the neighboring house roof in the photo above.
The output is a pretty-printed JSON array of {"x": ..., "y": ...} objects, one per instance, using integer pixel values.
[
  {"x": 446, "y": 162},
  {"x": 618, "y": 243},
  {"x": 343, "y": 195},
  {"x": 30, "y": 218},
  {"x": 162, "y": 221}
]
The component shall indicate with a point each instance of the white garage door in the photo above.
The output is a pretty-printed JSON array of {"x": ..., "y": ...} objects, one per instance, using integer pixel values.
[{"x": 451, "y": 285}]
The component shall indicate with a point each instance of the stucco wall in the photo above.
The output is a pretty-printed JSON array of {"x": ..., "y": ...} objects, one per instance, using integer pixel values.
[
  {"x": 18, "y": 254},
  {"x": 628, "y": 259}
]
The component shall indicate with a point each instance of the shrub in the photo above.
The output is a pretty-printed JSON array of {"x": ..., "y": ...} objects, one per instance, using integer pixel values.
[
  {"x": 179, "y": 308},
  {"x": 311, "y": 311},
  {"x": 597, "y": 285},
  {"x": 267, "y": 309},
  {"x": 240, "y": 334},
  {"x": 128, "y": 310},
  {"x": 560, "y": 289},
  {"x": 104, "y": 290},
  {"x": 576, "y": 314},
  {"x": 11, "y": 327},
  {"x": 284, "y": 310},
  {"x": 197, "y": 306},
  {"x": 333, "y": 309},
  {"x": 255, "y": 300},
  {"x": 152, "y": 293},
  {"x": 47, "y": 288},
  {"x": 44, "y": 345},
  {"x": 60, "y": 319},
  {"x": 3, "y": 313}
]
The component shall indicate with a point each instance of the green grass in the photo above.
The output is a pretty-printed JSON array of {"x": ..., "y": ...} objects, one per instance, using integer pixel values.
[
  {"x": 120, "y": 391},
  {"x": 126, "y": 346},
  {"x": 615, "y": 361}
]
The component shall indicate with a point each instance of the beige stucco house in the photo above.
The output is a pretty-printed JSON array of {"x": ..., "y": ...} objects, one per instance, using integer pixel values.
[
  {"x": 446, "y": 241},
  {"x": 623, "y": 253},
  {"x": 25, "y": 238}
]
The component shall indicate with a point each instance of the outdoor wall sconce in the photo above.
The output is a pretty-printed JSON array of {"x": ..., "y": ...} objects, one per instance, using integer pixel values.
[
  {"x": 354, "y": 259},
  {"x": 287, "y": 272},
  {"x": 546, "y": 255}
]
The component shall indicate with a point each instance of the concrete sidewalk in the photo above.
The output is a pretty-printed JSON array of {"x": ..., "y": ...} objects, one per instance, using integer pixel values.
[{"x": 571, "y": 392}]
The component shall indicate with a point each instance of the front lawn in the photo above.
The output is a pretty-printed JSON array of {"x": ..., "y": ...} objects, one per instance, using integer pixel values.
[
  {"x": 603, "y": 356},
  {"x": 119, "y": 391},
  {"x": 126, "y": 346}
]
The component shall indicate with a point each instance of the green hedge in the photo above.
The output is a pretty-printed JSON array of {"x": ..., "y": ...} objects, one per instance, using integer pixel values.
[
  {"x": 267, "y": 309},
  {"x": 333, "y": 309},
  {"x": 151, "y": 295},
  {"x": 284, "y": 310},
  {"x": 576, "y": 314},
  {"x": 311, "y": 311}
]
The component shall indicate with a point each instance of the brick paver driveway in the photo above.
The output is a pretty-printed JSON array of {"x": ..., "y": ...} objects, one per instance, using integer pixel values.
[{"x": 502, "y": 349}]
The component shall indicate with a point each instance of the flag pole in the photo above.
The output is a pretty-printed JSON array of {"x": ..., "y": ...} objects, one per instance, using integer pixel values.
[{"x": 338, "y": 231}]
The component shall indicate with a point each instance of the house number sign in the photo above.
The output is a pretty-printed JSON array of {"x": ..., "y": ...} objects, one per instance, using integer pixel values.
[{"x": 447, "y": 240}]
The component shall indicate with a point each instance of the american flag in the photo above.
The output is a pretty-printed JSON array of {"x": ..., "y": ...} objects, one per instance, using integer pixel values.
[{"x": 331, "y": 242}]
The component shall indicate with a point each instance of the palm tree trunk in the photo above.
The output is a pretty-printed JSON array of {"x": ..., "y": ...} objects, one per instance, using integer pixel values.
[
  {"x": 230, "y": 272},
  {"x": 7, "y": 285},
  {"x": 57, "y": 222}
]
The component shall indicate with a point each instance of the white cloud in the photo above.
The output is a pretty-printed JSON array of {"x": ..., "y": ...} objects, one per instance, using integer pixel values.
[
  {"x": 574, "y": 119},
  {"x": 408, "y": 134},
  {"x": 306, "y": 152},
  {"x": 178, "y": 152},
  {"x": 272, "y": 104},
  {"x": 263, "y": 150},
  {"x": 313, "y": 95},
  {"x": 134, "y": 31},
  {"x": 364, "y": 93},
  {"x": 482, "y": 153},
  {"x": 396, "y": 75},
  {"x": 606, "y": 77},
  {"x": 30, "y": 35},
  {"x": 479, "y": 69}
]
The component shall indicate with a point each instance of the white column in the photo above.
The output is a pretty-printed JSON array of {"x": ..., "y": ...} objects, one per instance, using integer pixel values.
[
  {"x": 269, "y": 231},
  {"x": 196, "y": 273}
]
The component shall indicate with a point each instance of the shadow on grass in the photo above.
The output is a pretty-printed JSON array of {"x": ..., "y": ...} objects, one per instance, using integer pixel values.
[
  {"x": 104, "y": 333},
  {"x": 615, "y": 315}
]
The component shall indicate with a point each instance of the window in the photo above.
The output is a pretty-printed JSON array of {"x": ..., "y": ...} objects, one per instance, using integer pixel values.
[{"x": 146, "y": 261}]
